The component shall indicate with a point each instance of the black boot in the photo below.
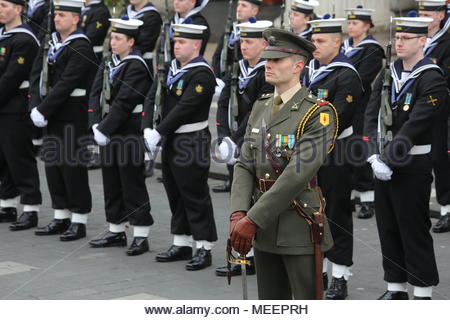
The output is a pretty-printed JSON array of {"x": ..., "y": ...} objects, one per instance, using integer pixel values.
[
  {"x": 337, "y": 289},
  {"x": 74, "y": 232},
  {"x": 138, "y": 246},
  {"x": 200, "y": 260},
  {"x": 8, "y": 214},
  {"x": 443, "y": 224},
  {"x": 422, "y": 298},
  {"x": 236, "y": 269},
  {"x": 367, "y": 210},
  {"x": 175, "y": 253},
  {"x": 110, "y": 239},
  {"x": 56, "y": 226},
  {"x": 27, "y": 220},
  {"x": 226, "y": 187},
  {"x": 394, "y": 295}
]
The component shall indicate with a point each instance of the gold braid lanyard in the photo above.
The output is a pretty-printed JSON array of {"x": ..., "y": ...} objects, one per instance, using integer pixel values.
[{"x": 308, "y": 115}]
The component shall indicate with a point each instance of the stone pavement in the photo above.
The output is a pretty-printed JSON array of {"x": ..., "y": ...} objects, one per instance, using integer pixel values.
[{"x": 34, "y": 267}]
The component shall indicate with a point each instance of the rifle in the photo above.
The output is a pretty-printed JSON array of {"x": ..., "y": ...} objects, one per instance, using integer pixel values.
[
  {"x": 224, "y": 53},
  {"x": 105, "y": 98},
  {"x": 385, "y": 108},
  {"x": 44, "y": 78},
  {"x": 233, "y": 110},
  {"x": 283, "y": 10},
  {"x": 162, "y": 64}
]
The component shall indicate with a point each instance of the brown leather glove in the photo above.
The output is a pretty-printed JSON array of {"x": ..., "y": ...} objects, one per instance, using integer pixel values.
[
  {"x": 234, "y": 218},
  {"x": 242, "y": 235}
]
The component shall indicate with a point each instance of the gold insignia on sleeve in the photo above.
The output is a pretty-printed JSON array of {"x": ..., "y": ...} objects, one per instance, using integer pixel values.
[
  {"x": 349, "y": 98},
  {"x": 98, "y": 24},
  {"x": 199, "y": 88},
  {"x": 432, "y": 101},
  {"x": 21, "y": 60},
  {"x": 324, "y": 119}
]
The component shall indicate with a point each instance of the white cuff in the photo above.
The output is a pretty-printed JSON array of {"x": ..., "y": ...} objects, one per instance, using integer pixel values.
[
  {"x": 339, "y": 271},
  {"x": 396, "y": 286},
  {"x": 141, "y": 231},
  {"x": 367, "y": 196},
  {"x": 79, "y": 218},
  {"x": 423, "y": 291},
  {"x": 28, "y": 208},
  {"x": 62, "y": 214},
  {"x": 116, "y": 228},
  {"x": 207, "y": 245},
  {"x": 9, "y": 203},
  {"x": 182, "y": 240}
]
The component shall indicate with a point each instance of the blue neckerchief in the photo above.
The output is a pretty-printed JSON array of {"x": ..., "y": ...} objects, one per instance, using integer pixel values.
[
  {"x": 56, "y": 46},
  {"x": 132, "y": 14},
  {"x": 175, "y": 72},
  {"x": 398, "y": 89},
  {"x": 23, "y": 28},
  {"x": 115, "y": 65},
  {"x": 433, "y": 43},
  {"x": 317, "y": 72},
  {"x": 247, "y": 73},
  {"x": 235, "y": 35},
  {"x": 349, "y": 50},
  {"x": 33, "y": 5},
  {"x": 306, "y": 33}
]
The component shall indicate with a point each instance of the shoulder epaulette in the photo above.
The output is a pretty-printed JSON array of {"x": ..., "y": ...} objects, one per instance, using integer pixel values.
[
  {"x": 313, "y": 99},
  {"x": 265, "y": 96}
]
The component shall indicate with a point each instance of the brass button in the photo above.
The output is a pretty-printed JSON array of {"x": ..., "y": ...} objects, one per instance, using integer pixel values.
[{"x": 267, "y": 176}]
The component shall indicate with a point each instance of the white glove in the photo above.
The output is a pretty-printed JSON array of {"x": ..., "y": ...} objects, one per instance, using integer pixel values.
[
  {"x": 227, "y": 149},
  {"x": 380, "y": 169},
  {"x": 152, "y": 138},
  {"x": 38, "y": 118},
  {"x": 99, "y": 137},
  {"x": 219, "y": 87}
]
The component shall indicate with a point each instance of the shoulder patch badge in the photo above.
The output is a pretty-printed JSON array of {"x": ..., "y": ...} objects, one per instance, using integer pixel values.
[
  {"x": 21, "y": 60},
  {"x": 432, "y": 101},
  {"x": 98, "y": 25},
  {"x": 349, "y": 98},
  {"x": 324, "y": 119},
  {"x": 199, "y": 88}
]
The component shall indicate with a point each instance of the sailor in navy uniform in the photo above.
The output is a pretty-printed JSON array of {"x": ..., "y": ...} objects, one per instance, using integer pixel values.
[
  {"x": 37, "y": 15},
  {"x": 402, "y": 163},
  {"x": 117, "y": 133},
  {"x": 251, "y": 86},
  {"x": 438, "y": 50},
  {"x": 189, "y": 12},
  {"x": 332, "y": 77},
  {"x": 185, "y": 148},
  {"x": 302, "y": 11},
  {"x": 61, "y": 109},
  {"x": 245, "y": 9},
  {"x": 149, "y": 31},
  {"x": 366, "y": 54},
  {"x": 95, "y": 24},
  {"x": 19, "y": 177}
]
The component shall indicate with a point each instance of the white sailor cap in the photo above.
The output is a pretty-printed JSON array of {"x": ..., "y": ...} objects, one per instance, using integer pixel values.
[
  {"x": 412, "y": 23},
  {"x": 432, "y": 5},
  {"x": 125, "y": 25},
  {"x": 304, "y": 6},
  {"x": 360, "y": 13},
  {"x": 68, "y": 5},
  {"x": 327, "y": 24},
  {"x": 253, "y": 28},
  {"x": 189, "y": 31}
]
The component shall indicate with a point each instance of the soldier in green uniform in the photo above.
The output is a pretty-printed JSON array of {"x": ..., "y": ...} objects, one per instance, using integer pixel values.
[{"x": 288, "y": 136}]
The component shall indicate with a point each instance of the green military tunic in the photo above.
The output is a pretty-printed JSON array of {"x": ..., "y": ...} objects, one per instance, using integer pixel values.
[
  {"x": 299, "y": 135},
  {"x": 281, "y": 229}
]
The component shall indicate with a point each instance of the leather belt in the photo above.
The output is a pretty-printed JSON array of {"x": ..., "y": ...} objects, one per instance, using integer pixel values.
[{"x": 264, "y": 185}]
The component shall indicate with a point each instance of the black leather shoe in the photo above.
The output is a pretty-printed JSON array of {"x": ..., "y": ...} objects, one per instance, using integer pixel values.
[
  {"x": 74, "y": 232},
  {"x": 200, "y": 260},
  {"x": 337, "y": 289},
  {"x": 226, "y": 187},
  {"x": 325, "y": 281},
  {"x": 110, "y": 239},
  {"x": 422, "y": 298},
  {"x": 394, "y": 295},
  {"x": 175, "y": 253},
  {"x": 367, "y": 210},
  {"x": 56, "y": 226},
  {"x": 236, "y": 269},
  {"x": 8, "y": 214},
  {"x": 443, "y": 224},
  {"x": 139, "y": 246},
  {"x": 27, "y": 220}
]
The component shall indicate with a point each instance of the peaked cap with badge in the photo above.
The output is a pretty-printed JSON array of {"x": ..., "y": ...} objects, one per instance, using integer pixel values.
[{"x": 283, "y": 43}]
